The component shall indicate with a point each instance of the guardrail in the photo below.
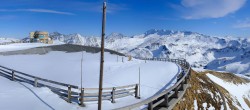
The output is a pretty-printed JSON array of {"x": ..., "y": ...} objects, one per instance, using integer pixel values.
[
  {"x": 71, "y": 92},
  {"x": 168, "y": 97}
]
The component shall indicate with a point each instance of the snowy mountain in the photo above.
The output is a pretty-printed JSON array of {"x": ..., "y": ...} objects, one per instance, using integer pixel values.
[
  {"x": 8, "y": 40},
  {"x": 202, "y": 51},
  {"x": 222, "y": 54}
]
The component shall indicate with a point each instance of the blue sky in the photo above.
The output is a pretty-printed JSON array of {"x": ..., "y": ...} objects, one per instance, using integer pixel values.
[{"x": 130, "y": 17}]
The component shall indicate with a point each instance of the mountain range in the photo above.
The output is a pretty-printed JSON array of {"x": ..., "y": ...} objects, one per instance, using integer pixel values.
[
  {"x": 202, "y": 51},
  {"x": 209, "y": 89},
  {"x": 229, "y": 54}
]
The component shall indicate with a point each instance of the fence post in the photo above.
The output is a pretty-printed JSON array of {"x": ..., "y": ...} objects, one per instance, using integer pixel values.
[
  {"x": 113, "y": 95},
  {"x": 166, "y": 99},
  {"x": 122, "y": 59},
  {"x": 69, "y": 94},
  {"x": 150, "y": 106},
  {"x": 189, "y": 73},
  {"x": 182, "y": 86},
  {"x": 185, "y": 81},
  {"x": 137, "y": 91},
  {"x": 13, "y": 75},
  {"x": 35, "y": 82},
  {"x": 176, "y": 92},
  {"x": 82, "y": 98}
]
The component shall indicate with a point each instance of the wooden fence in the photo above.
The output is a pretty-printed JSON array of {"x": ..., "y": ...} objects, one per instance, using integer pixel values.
[
  {"x": 111, "y": 93},
  {"x": 167, "y": 98},
  {"x": 71, "y": 93}
]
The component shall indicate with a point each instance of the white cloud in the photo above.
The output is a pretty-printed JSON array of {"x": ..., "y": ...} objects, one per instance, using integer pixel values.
[
  {"x": 198, "y": 9},
  {"x": 243, "y": 23},
  {"x": 36, "y": 10}
]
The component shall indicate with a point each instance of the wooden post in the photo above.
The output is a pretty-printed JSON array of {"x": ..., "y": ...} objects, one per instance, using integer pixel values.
[
  {"x": 129, "y": 58},
  {"x": 69, "y": 94},
  {"x": 150, "y": 106},
  {"x": 122, "y": 59},
  {"x": 166, "y": 99},
  {"x": 176, "y": 92},
  {"x": 117, "y": 58},
  {"x": 185, "y": 81},
  {"x": 182, "y": 86},
  {"x": 102, "y": 57},
  {"x": 113, "y": 95},
  {"x": 189, "y": 74},
  {"x": 13, "y": 76},
  {"x": 139, "y": 86},
  {"x": 137, "y": 91},
  {"x": 82, "y": 98},
  {"x": 35, "y": 82},
  {"x": 145, "y": 61}
]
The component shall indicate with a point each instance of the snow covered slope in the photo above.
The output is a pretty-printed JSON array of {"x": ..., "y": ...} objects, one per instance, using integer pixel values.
[
  {"x": 202, "y": 51},
  {"x": 22, "y": 96},
  {"x": 240, "y": 92},
  {"x": 155, "y": 76},
  {"x": 211, "y": 90}
]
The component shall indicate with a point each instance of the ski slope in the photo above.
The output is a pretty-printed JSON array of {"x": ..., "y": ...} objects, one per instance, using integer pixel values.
[{"x": 65, "y": 67}]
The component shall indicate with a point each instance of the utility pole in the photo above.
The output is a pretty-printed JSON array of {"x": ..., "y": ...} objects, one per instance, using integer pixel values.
[{"x": 102, "y": 57}]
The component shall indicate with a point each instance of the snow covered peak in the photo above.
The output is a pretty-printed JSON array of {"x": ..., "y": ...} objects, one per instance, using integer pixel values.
[
  {"x": 162, "y": 32},
  {"x": 115, "y": 35},
  {"x": 55, "y": 34}
]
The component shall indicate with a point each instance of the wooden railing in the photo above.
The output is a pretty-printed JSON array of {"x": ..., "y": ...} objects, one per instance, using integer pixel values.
[
  {"x": 166, "y": 98},
  {"x": 80, "y": 95},
  {"x": 69, "y": 92},
  {"x": 112, "y": 93}
]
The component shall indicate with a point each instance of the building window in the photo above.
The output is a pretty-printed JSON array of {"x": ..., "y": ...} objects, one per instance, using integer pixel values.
[{"x": 41, "y": 36}]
